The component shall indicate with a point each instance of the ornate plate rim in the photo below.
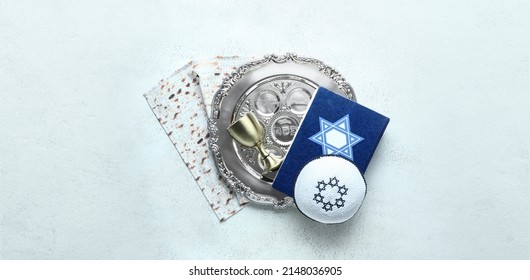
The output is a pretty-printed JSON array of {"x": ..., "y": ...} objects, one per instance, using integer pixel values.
[{"x": 233, "y": 182}]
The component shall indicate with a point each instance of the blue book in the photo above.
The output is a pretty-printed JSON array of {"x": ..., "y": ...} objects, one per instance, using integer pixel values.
[{"x": 333, "y": 125}]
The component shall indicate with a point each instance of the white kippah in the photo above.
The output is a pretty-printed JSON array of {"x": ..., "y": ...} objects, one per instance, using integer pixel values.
[{"x": 329, "y": 189}]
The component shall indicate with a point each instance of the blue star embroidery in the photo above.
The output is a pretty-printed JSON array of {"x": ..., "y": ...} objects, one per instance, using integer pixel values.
[
  {"x": 327, "y": 205},
  {"x": 336, "y": 138}
]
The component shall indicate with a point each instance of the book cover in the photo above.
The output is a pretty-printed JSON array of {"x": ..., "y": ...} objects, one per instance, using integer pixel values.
[{"x": 333, "y": 125}]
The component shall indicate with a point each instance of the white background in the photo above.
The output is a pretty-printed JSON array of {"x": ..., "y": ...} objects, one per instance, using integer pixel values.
[{"x": 86, "y": 171}]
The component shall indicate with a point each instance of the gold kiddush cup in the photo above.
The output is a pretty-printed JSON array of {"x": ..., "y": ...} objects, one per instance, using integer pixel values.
[{"x": 248, "y": 132}]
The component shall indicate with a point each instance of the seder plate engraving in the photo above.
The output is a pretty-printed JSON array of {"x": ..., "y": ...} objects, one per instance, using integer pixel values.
[{"x": 278, "y": 90}]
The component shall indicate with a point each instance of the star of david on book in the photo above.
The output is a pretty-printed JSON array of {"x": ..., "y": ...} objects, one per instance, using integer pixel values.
[{"x": 336, "y": 138}]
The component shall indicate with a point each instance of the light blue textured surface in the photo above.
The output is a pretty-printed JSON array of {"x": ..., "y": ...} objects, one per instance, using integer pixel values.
[{"x": 86, "y": 172}]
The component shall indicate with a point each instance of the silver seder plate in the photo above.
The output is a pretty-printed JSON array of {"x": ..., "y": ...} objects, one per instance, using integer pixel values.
[{"x": 277, "y": 89}]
